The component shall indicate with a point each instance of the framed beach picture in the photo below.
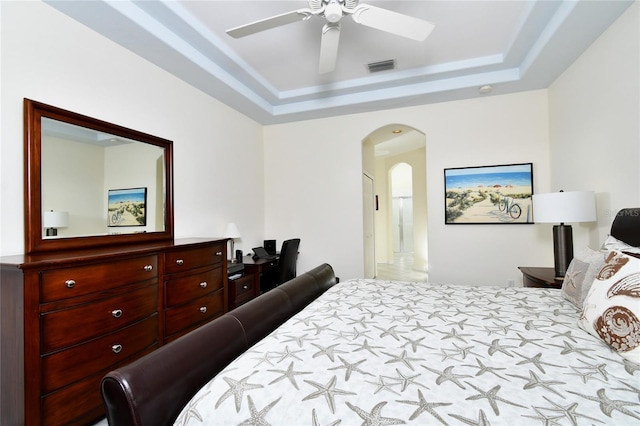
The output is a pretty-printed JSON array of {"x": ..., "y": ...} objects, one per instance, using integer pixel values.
[
  {"x": 127, "y": 207},
  {"x": 489, "y": 194}
]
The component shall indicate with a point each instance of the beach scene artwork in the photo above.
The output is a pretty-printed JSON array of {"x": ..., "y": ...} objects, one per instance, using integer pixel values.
[
  {"x": 127, "y": 207},
  {"x": 489, "y": 194}
]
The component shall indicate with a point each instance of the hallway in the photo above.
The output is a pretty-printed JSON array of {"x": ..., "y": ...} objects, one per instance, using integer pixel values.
[{"x": 400, "y": 270}]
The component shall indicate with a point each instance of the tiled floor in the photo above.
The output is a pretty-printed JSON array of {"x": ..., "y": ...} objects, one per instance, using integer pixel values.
[{"x": 401, "y": 269}]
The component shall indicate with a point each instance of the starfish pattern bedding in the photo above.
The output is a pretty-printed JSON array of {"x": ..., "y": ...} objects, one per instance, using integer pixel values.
[{"x": 376, "y": 352}]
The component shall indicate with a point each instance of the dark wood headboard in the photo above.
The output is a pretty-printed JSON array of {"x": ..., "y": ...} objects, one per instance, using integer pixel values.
[{"x": 626, "y": 226}]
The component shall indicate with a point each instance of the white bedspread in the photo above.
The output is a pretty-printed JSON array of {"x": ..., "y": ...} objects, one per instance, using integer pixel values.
[{"x": 384, "y": 353}]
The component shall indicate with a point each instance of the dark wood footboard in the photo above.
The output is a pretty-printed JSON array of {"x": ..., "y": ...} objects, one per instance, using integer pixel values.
[{"x": 153, "y": 390}]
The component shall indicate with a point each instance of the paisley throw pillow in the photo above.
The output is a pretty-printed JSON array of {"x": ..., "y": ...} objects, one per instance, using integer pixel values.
[{"x": 611, "y": 310}]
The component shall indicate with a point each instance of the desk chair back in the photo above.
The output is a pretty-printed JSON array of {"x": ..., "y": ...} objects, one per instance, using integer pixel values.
[{"x": 288, "y": 261}]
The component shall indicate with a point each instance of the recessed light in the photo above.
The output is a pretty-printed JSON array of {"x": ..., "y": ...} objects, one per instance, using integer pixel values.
[
  {"x": 396, "y": 131},
  {"x": 483, "y": 90}
]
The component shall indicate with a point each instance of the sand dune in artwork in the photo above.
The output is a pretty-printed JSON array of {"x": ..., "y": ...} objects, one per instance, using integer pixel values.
[{"x": 481, "y": 204}]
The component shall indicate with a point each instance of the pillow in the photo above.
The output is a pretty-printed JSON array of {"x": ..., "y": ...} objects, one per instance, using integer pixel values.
[
  {"x": 581, "y": 272},
  {"x": 611, "y": 310},
  {"x": 612, "y": 243}
]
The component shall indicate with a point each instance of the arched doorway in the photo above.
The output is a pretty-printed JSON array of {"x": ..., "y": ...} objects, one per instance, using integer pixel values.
[{"x": 383, "y": 149}]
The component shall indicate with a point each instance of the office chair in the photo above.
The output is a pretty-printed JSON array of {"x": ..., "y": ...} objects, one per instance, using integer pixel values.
[
  {"x": 286, "y": 268},
  {"x": 288, "y": 260}
]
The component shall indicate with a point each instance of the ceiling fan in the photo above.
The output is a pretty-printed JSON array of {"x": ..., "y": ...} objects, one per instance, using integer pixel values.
[{"x": 333, "y": 11}]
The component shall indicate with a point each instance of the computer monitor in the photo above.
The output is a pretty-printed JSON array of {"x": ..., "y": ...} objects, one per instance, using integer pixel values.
[{"x": 270, "y": 246}]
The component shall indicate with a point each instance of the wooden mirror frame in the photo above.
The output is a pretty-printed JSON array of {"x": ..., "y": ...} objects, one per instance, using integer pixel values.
[{"x": 34, "y": 241}]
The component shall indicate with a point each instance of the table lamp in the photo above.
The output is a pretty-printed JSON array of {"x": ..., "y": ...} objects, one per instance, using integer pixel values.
[
  {"x": 54, "y": 220},
  {"x": 232, "y": 232},
  {"x": 554, "y": 207}
]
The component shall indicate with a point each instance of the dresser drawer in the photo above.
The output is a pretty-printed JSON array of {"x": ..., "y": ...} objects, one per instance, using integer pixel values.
[
  {"x": 64, "y": 406},
  {"x": 190, "y": 258},
  {"x": 79, "y": 403},
  {"x": 59, "y": 284},
  {"x": 184, "y": 288},
  {"x": 73, "y": 364},
  {"x": 198, "y": 310},
  {"x": 243, "y": 289},
  {"x": 75, "y": 325}
]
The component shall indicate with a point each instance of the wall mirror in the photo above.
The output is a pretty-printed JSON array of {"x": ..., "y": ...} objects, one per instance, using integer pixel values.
[{"x": 90, "y": 183}]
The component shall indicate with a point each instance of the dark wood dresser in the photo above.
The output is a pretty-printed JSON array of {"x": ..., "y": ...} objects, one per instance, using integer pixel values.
[{"x": 67, "y": 318}]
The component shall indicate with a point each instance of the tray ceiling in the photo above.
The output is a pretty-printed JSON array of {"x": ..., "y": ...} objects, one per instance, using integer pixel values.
[{"x": 273, "y": 76}]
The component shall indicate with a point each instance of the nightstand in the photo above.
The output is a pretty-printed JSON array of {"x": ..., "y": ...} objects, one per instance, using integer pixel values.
[{"x": 539, "y": 277}]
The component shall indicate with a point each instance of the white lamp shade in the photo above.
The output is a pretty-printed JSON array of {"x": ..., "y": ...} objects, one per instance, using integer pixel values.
[
  {"x": 232, "y": 231},
  {"x": 55, "y": 219},
  {"x": 561, "y": 207}
]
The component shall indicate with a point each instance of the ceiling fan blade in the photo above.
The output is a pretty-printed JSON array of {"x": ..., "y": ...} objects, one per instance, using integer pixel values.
[
  {"x": 392, "y": 22},
  {"x": 329, "y": 47},
  {"x": 269, "y": 23}
]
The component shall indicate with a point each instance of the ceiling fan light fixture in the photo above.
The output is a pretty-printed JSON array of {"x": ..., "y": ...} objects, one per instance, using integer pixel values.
[
  {"x": 333, "y": 11},
  {"x": 386, "y": 65}
]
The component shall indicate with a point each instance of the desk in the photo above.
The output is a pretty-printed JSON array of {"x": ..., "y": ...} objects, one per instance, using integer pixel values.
[{"x": 247, "y": 287}]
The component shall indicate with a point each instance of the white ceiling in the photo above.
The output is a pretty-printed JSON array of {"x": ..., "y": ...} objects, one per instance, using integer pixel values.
[{"x": 273, "y": 76}]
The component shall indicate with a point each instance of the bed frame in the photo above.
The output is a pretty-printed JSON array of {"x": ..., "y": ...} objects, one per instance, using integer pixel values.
[
  {"x": 626, "y": 226},
  {"x": 153, "y": 390}
]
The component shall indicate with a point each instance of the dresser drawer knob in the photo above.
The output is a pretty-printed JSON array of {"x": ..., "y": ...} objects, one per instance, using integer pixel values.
[
  {"x": 245, "y": 287},
  {"x": 203, "y": 309},
  {"x": 148, "y": 268},
  {"x": 179, "y": 262},
  {"x": 203, "y": 284},
  {"x": 218, "y": 253},
  {"x": 117, "y": 313},
  {"x": 70, "y": 283},
  {"x": 116, "y": 349}
]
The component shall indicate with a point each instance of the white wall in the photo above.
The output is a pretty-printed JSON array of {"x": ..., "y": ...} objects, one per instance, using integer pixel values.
[
  {"x": 218, "y": 157},
  {"x": 313, "y": 184},
  {"x": 595, "y": 125}
]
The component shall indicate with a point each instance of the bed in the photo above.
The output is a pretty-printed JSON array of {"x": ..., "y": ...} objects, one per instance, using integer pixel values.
[{"x": 381, "y": 353}]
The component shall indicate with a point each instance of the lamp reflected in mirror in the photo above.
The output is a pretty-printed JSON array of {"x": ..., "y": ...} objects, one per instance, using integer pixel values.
[{"x": 54, "y": 220}]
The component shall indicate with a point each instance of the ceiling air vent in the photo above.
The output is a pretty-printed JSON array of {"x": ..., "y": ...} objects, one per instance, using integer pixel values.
[{"x": 381, "y": 66}]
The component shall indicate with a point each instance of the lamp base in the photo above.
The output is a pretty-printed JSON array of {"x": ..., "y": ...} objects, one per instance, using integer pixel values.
[
  {"x": 232, "y": 259},
  {"x": 562, "y": 249}
]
